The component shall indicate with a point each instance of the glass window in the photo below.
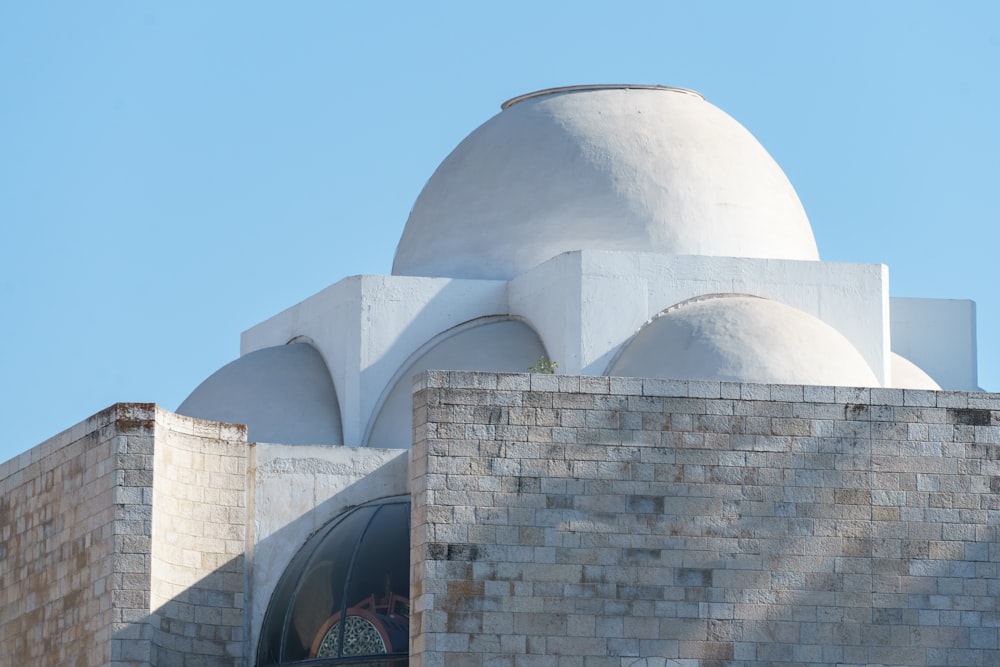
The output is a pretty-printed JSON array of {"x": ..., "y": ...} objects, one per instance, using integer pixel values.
[{"x": 344, "y": 598}]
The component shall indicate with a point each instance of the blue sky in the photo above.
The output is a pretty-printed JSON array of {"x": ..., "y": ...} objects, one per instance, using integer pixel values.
[{"x": 173, "y": 173}]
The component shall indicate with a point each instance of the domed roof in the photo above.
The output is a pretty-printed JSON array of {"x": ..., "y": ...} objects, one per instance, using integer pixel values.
[
  {"x": 283, "y": 394},
  {"x": 633, "y": 168},
  {"x": 344, "y": 597},
  {"x": 743, "y": 339},
  {"x": 907, "y": 375}
]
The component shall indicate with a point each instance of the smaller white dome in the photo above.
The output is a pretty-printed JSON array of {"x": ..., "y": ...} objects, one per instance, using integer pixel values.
[
  {"x": 283, "y": 394},
  {"x": 907, "y": 375},
  {"x": 743, "y": 339}
]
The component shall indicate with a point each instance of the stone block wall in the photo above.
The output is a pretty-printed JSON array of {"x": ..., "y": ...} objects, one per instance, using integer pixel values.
[
  {"x": 199, "y": 532},
  {"x": 61, "y": 587},
  {"x": 606, "y": 522},
  {"x": 90, "y": 574}
]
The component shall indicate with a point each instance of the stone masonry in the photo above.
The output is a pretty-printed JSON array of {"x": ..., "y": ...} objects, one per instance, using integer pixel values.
[
  {"x": 604, "y": 522},
  {"x": 199, "y": 538},
  {"x": 62, "y": 587},
  {"x": 90, "y": 576}
]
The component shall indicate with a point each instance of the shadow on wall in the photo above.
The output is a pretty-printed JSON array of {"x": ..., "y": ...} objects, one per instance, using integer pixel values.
[
  {"x": 214, "y": 619},
  {"x": 767, "y": 529},
  {"x": 299, "y": 491},
  {"x": 759, "y": 531}
]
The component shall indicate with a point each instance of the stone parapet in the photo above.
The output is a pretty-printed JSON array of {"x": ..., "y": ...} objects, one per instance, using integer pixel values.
[
  {"x": 599, "y": 521},
  {"x": 199, "y": 536},
  {"x": 91, "y": 575},
  {"x": 62, "y": 586}
]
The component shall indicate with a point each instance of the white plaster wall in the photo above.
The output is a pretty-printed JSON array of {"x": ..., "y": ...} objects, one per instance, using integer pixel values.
[
  {"x": 548, "y": 298},
  {"x": 586, "y": 305},
  {"x": 367, "y": 327},
  {"x": 939, "y": 336},
  {"x": 296, "y": 490},
  {"x": 325, "y": 319}
]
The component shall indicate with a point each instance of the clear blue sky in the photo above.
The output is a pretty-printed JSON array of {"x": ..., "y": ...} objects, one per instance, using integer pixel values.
[{"x": 173, "y": 173}]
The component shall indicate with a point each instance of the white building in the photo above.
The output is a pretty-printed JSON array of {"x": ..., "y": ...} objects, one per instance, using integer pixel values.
[
  {"x": 615, "y": 230},
  {"x": 623, "y": 231}
]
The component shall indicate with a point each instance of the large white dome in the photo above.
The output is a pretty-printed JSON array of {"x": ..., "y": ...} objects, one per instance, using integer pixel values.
[
  {"x": 648, "y": 169},
  {"x": 743, "y": 339}
]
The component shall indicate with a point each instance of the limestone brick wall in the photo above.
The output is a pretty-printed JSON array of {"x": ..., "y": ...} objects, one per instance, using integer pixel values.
[
  {"x": 607, "y": 522},
  {"x": 200, "y": 497},
  {"x": 121, "y": 543},
  {"x": 73, "y": 553}
]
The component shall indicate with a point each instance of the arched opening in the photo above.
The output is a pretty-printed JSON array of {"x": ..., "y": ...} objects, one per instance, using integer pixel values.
[{"x": 344, "y": 597}]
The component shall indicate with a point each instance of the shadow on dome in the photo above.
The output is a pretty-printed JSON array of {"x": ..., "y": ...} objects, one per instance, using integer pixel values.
[{"x": 283, "y": 394}]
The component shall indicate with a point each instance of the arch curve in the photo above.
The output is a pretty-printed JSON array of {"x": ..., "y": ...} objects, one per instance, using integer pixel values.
[
  {"x": 283, "y": 394},
  {"x": 501, "y": 343},
  {"x": 352, "y": 573}
]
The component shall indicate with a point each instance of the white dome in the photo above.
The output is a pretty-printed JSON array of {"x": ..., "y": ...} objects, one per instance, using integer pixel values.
[
  {"x": 743, "y": 339},
  {"x": 283, "y": 394},
  {"x": 907, "y": 375},
  {"x": 647, "y": 169}
]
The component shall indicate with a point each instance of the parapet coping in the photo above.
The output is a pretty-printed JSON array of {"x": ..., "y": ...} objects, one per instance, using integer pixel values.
[
  {"x": 127, "y": 416},
  {"x": 709, "y": 389}
]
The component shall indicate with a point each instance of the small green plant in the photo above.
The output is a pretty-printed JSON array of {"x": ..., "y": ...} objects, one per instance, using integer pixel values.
[{"x": 543, "y": 366}]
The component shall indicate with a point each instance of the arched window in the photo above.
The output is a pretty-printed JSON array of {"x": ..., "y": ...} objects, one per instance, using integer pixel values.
[{"x": 344, "y": 598}]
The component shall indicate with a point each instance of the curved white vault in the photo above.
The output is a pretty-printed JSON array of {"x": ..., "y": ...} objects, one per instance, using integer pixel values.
[
  {"x": 632, "y": 168},
  {"x": 593, "y": 223}
]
